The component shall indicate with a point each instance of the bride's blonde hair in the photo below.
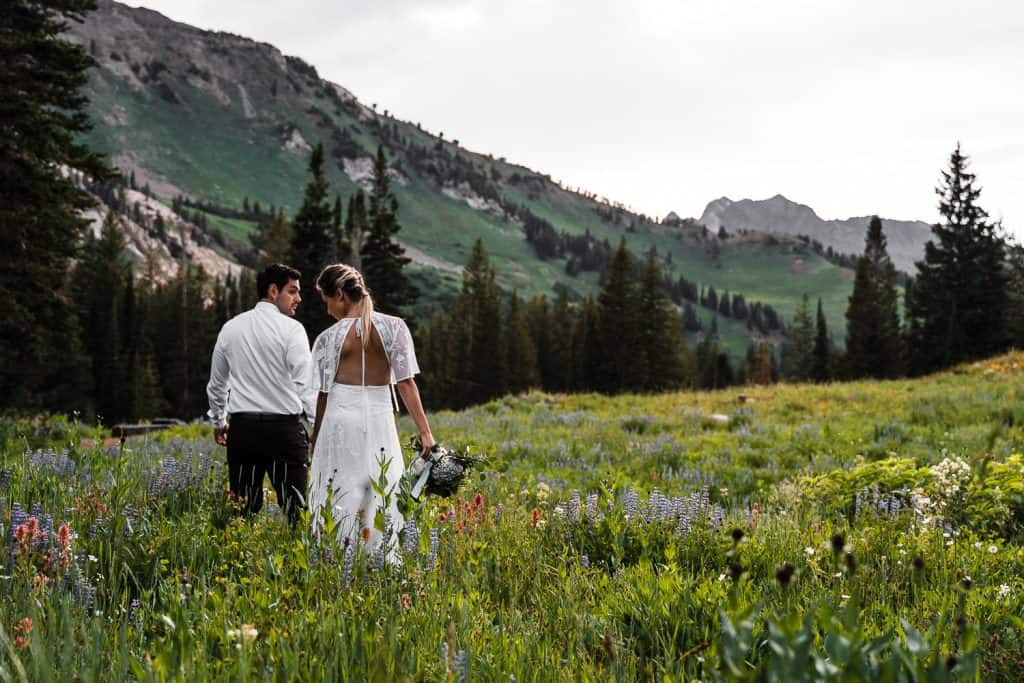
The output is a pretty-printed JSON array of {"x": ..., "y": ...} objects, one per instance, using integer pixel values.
[{"x": 339, "y": 277}]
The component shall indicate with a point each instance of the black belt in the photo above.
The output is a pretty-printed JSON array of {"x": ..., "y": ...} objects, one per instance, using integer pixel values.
[{"x": 264, "y": 417}]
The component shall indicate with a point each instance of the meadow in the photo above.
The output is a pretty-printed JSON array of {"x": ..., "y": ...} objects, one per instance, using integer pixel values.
[{"x": 851, "y": 531}]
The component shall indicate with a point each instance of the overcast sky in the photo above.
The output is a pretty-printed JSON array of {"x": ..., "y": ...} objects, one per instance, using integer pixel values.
[{"x": 851, "y": 107}]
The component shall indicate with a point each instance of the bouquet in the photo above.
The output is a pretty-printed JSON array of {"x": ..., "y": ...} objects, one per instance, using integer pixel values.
[{"x": 439, "y": 471}]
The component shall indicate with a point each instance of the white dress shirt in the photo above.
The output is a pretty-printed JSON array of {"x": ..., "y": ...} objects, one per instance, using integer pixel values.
[{"x": 261, "y": 364}]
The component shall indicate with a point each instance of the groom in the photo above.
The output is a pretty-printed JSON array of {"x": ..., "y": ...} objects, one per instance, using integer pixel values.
[{"x": 258, "y": 391}]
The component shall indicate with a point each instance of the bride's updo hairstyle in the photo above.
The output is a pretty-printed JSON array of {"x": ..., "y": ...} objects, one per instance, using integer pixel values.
[{"x": 338, "y": 278}]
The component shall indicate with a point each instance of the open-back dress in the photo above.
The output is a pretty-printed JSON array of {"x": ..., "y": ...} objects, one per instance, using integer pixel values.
[{"x": 358, "y": 434}]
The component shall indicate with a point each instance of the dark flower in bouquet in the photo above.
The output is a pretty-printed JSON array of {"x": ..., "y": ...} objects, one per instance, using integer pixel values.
[{"x": 438, "y": 471}]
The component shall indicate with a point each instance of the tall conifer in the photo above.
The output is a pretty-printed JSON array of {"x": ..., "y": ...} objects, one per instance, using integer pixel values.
[
  {"x": 311, "y": 244},
  {"x": 873, "y": 337},
  {"x": 959, "y": 301},
  {"x": 42, "y": 118},
  {"x": 383, "y": 258}
]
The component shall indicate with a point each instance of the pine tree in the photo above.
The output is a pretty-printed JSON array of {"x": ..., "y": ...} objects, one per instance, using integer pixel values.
[
  {"x": 42, "y": 118},
  {"x": 625, "y": 366},
  {"x": 98, "y": 291},
  {"x": 311, "y": 244},
  {"x": 560, "y": 324},
  {"x": 538, "y": 321},
  {"x": 587, "y": 358},
  {"x": 479, "y": 304},
  {"x": 724, "y": 308},
  {"x": 762, "y": 365},
  {"x": 821, "y": 366},
  {"x": 957, "y": 310},
  {"x": 275, "y": 247},
  {"x": 340, "y": 249},
  {"x": 660, "y": 335},
  {"x": 356, "y": 227},
  {"x": 873, "y": 337},
  {"x": 798, "y": 349},
  {"x": 383, "y": 258},
  {"x": 690, "y": 321},
  {"x": 520, "y": 351}
]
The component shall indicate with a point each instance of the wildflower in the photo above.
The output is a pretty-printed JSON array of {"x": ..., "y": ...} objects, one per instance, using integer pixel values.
[
  {"x": 20, "y": 643},
  {"x": 249, "y": 632},
  {"x": 410, "y": 537},
  {"x": 722, "y": 577},
  {"x": 478, "y": 501},
  {"x": 809, "y": 550},
  {"x": 460, "y": 666},
  {"x": 406, "y": 601},
  {"x": 838, "y": 543},
  {"x": 585, "y": 561},
  {"x": 1004, "y": 591},
  {"x": 435, "y": 536},
  {"x": 785, "y": 574},
  {"x": 348, "y": 559},
  {"x": 24, "y": 626},
  {"x": 365, "y": 533},
  {"x": 535, "y": 518},
  {"x": 993, "y": 549}
]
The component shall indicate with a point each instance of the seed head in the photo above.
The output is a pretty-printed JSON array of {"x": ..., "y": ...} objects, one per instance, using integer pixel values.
[{"x": 785, "y": 574}]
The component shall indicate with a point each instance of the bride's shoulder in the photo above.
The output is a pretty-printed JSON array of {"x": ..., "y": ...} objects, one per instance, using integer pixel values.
[
  {"x": 331, "y": 333},
  {"x": 388, "y": 320}
]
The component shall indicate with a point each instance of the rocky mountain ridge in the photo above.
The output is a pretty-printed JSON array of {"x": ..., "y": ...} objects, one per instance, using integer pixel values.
[{"x": 906, "y": 239}]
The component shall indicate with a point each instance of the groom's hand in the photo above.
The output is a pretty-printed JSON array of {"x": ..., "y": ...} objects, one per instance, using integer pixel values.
[{"x": 220, "y": 435}]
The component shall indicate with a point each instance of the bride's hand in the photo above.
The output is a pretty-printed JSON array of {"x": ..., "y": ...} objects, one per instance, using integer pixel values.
[{"x": 427, "y": 442}]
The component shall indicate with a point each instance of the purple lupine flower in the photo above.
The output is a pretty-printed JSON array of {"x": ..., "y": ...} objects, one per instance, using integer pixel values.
[
  {"x": 499, "y": 510},
  {"x": 410, "y": 538},
  {"x": 630, "y": 504},
  {"x": 348, "y": 560},
  {"x": 573, "y": 510},
  {"x": 592, "y": 507},
  {"x": 435, "y": 539},
  {"x": 460, "y": 666},
  {"x": 377, "y": 558}
]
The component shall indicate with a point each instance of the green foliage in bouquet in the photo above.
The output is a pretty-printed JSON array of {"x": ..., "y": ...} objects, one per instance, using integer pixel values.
[{"x": 446, "y": 469}]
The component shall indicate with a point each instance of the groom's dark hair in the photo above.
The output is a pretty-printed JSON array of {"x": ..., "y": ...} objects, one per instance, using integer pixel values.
[{"x": 277, "y": 274}]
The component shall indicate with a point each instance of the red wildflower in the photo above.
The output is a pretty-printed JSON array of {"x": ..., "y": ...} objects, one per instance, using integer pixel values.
[
  {"x": 20, "y": 643},
  {"x": 478, "y": 501},
  {"x": 406, "y": 601},
  {"x": 24, "y": 626},
  {"x": 534, "y": 518}
]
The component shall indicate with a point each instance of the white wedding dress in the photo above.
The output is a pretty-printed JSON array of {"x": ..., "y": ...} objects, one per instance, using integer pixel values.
[{"x": 358, "y": 436}]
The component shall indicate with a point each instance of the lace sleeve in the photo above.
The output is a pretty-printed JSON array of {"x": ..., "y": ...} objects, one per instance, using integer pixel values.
[
  {"x": 403, "y": 354},
  {"x": 322, "y": 367}
]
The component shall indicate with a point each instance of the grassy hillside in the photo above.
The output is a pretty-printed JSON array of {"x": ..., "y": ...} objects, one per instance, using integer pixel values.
[
  {"x": 762, "y": 532},
  {"x": 218, "y": 117}
]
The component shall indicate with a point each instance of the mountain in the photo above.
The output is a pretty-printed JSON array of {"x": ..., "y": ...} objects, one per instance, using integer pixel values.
[
  {"x": 906, "y": 239},
  {"x": 221, "y": 122}
]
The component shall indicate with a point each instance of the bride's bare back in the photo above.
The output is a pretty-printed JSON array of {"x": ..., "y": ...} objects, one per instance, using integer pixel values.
[{"x": 378, "y": 373}]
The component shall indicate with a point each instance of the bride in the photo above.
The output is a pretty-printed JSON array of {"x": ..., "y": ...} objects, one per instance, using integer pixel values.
[{"x": 356, "y": 362}]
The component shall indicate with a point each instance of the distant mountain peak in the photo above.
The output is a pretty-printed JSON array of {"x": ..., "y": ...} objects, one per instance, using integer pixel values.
[{"x": 779, "y": 214}]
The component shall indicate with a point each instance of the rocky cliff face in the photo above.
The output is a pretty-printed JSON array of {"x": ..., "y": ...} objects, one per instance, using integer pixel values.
[{"x": 906, "y": 239}]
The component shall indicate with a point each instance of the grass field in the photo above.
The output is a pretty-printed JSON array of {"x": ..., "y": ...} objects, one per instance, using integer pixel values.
[{"x": 839, "y": 532}]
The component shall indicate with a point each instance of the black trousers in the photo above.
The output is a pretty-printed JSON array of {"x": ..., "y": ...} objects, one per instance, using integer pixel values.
[{"x": 278, "y": 447}]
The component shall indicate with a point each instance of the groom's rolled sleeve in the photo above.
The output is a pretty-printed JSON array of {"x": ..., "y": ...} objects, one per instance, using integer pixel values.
[
  {"x": 300, "y": 367},
  {"x": 217, "y": 387}
]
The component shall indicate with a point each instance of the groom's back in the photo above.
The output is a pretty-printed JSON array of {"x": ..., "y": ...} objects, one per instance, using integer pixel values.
[{"x": 267, "y": 358}]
